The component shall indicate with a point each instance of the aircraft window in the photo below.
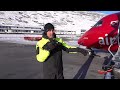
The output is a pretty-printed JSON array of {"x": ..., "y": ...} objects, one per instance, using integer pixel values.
[{"x": 98, "y": 24}]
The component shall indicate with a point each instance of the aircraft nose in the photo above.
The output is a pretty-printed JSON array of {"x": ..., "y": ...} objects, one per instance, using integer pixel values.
[{"x": 82, "y": 41}]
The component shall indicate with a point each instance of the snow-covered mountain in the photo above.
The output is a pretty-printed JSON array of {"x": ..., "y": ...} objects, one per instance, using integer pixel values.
[{"x": 63, "y": 20}]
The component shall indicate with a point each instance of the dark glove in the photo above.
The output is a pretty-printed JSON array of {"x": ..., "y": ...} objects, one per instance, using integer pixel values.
[
  {"x": 51, "y": 45},
  {"x": 55, "y": 42},
  {"x": 83, "y": 51}
]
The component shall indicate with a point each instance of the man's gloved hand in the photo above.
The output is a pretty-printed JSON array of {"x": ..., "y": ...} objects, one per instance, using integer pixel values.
[
  {"x": 83, "y": 51},
  {"x": 55, "y": 42},
  {"x": 51, "y": 45}
]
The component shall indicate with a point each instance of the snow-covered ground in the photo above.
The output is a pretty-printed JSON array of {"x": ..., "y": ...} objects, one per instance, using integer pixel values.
[
  {"x": 63, "y": 20},
  {"x": 18, "y": 38}
]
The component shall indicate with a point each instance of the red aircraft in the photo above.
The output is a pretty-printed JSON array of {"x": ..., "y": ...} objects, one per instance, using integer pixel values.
[{"x": 103, "y": 35}]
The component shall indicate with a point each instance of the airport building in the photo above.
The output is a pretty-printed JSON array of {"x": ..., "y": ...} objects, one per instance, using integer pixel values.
[
  {"x": 83, "y": 31},
  {"x": 32, "y": 30},
  {"x": 18, "y": 29},
  {"x": 7, "y": 29}
]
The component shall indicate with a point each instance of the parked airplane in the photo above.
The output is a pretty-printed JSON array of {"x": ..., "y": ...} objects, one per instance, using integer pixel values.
[{"x": 104, "y": 34}]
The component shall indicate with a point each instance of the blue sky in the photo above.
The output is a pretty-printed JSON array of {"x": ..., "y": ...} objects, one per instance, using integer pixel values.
[{"x": 108, "y": 12}]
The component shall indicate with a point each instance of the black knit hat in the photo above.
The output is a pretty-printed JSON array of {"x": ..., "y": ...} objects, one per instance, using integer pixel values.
[{"x": 48, "y": 26}]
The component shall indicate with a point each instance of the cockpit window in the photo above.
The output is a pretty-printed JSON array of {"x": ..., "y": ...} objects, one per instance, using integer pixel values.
[{"x": 99, "y": 23}]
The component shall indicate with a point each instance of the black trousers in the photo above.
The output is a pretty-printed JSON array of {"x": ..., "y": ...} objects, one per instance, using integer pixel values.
[{"x": 53, "y": 76}]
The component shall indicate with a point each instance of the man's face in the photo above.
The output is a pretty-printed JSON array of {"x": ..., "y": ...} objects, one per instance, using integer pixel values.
[{"x": 50, "y": 33}]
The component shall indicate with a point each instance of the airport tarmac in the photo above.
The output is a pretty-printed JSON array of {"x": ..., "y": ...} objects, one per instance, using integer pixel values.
[{"x": 17, "y": 61}]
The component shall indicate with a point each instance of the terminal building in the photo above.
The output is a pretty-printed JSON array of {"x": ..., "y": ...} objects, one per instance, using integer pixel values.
[
  {"x": 32, "y": 30},
  {"x": 7, "y": 29},
  {"x": 18, "y": 29}
]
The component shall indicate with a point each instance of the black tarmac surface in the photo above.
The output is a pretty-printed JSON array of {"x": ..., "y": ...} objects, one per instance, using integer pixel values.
[{"x": 18, "y": 61}]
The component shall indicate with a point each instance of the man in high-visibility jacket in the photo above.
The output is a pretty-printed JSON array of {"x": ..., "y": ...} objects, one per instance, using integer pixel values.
[{"x": 49, "y": 52}]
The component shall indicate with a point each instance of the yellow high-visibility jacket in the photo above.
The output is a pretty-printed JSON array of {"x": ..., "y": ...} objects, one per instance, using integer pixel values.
[{"x": 43, "y": 54}]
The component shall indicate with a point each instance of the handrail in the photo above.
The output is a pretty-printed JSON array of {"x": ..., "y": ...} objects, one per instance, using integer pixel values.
[{"x": 114, "y": 41}]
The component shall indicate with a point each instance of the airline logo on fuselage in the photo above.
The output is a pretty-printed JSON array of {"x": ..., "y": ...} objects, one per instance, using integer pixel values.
[{"x": 107, "y": 40}]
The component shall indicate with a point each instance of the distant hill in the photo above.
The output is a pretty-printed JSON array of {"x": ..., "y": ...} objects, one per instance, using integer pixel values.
[{"x": 63, "y": 20}]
